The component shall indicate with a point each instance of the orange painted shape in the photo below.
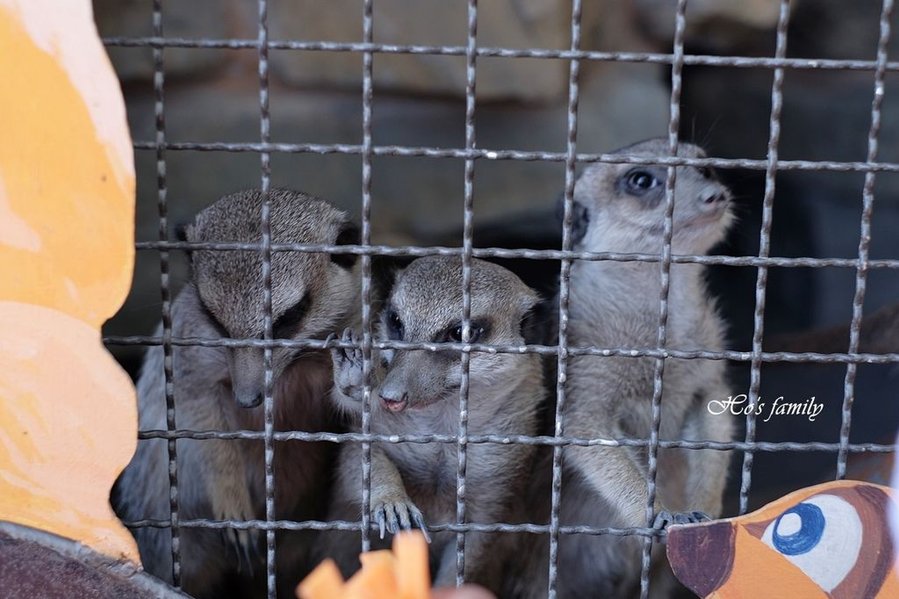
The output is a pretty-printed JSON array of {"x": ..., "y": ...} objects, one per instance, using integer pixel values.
[
  {"x": 400, "y": 574},
  {"x": 68, "y": 417},
  {"x": 836, "y": 545},
  {"x": 761, "y": 572},
  {"x": 325, "y": 582},
  {"x": 66, "y": 194},
  {"x": 63, "y": 403},
  {"x": 376, "y": 579}
]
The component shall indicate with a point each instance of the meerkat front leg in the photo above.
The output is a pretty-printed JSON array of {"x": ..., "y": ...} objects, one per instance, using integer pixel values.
[
  {"x": 391, "y": 506},
  {"x": 229, "y": 496},
  {"x": 615, "y": 475},
  {"x": 707, "y": 468}
]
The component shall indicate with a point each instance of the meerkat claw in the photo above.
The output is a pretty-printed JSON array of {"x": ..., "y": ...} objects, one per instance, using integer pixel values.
[
  {"x": 381, "y": 518},
  {"x": 348, "y": 336},
  {"x": 405, "y": 521},
  {"x": 393, "y": 524},
  {"x": 336, "y": 352},
  {"x": 249, "y": 547},
  {"x": 662, "y": 520},
  {"x": 243, "y": 545},
  {"x": 420, "y": 523},
  {"x": 699, "y": 517},
  {"x": 665, "y": 518}
]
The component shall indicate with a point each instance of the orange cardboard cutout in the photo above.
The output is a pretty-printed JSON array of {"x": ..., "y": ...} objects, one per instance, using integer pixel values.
[
  {"x": 67, "y": 411},
  {"x": 828, "y": 541},
  {"x": 398, "y": 574}
]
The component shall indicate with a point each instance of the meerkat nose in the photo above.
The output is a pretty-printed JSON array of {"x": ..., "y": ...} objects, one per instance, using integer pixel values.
[
  {"x": 394, "y": 401},
  {"x": 248, "y": 400}
]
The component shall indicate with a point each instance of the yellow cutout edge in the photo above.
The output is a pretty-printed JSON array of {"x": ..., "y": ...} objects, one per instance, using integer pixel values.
[{"x": 67, "y": 411}]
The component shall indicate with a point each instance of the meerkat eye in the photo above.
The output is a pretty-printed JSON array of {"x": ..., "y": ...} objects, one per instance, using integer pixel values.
[
  {"x": 639, "y": 181},
  {"x": 286, "y": 324},
  {"x": 454, "y": 334},
  {"x": 394, "y": 325}
]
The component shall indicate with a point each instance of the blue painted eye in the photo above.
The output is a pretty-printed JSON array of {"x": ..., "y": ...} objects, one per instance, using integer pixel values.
[{"x": 799, "y": 529}]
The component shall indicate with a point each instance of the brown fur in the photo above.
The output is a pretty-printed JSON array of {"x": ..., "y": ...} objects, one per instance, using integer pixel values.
[{"x": 224, "y": 479}]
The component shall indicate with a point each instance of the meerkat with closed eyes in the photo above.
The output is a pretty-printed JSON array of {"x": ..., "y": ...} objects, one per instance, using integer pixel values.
[
  {"x": 621, "y": 208},
  {"x": 221, "y": 389},
  {"x": 417, "y": 392}
]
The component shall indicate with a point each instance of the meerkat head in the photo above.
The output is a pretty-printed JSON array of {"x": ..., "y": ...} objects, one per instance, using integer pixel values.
[
  {"x": 621, "y": 207},
  {"x": 312, "y": 293},
  {"x": 425, "y": 305}
]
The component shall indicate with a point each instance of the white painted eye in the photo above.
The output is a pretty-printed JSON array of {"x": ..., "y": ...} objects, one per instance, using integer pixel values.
[{"x": 822, "y": 536}]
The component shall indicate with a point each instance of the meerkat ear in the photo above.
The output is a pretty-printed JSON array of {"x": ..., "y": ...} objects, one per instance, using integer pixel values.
[
  {"x": 534, "y": 319},
  {"x": 184, "y": 232},
  {"x": 580, "y": 218},
  {"x": 181, "y": 233},
  {"x": 348, "y": 235},
  {"x": 384, "y": 270}
]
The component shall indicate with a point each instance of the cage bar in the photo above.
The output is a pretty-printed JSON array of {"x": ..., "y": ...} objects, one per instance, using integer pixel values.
[
  {"x": 864, "y": 240},
  {"x": 564, "y": 292},
  {"x": 755, "y": 376},
  {"x": 632, "y": 57},
  {"x": 165, "y": 291},
  {"x": 367, "y": 99}
]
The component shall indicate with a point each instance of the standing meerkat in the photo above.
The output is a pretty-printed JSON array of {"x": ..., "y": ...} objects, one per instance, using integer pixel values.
[
  {"x": 417, "y": 392},
  {"x": 621, "y": 208},
  {"x": 221, "y": 389}
]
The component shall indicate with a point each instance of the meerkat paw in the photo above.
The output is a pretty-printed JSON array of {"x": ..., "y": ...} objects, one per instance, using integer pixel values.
[
  {"x": 664, "y": 518},
  {"x": 348, "y": 376},
  {"x": 244, "y": 541},
  {"x": 401, "y": 514}
]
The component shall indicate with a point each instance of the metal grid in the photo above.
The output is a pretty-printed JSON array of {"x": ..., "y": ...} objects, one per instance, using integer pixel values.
[{"x": 470, "y": 154}]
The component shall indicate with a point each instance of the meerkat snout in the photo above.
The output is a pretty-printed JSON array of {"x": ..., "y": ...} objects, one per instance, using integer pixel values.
[
  {"x": 247, "y": 375},
  {"x": 311, "y": 293}
]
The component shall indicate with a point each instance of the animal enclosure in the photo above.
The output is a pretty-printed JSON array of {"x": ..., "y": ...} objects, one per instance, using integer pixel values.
[{"x": 801, "y": 262}]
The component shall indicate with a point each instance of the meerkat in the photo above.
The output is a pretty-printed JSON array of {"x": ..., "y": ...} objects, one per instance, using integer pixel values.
[
  {"x": 621, "y": 208},
  {"x": 221, "y": 389},
  {"x": 417, "y": 392}
]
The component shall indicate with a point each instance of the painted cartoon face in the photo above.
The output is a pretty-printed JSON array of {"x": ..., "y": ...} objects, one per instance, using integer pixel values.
[{"x": 825, "y": 541}]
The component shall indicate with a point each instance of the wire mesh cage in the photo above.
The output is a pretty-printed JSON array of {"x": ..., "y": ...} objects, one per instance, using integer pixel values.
[{"x": 469, "y": 154}]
